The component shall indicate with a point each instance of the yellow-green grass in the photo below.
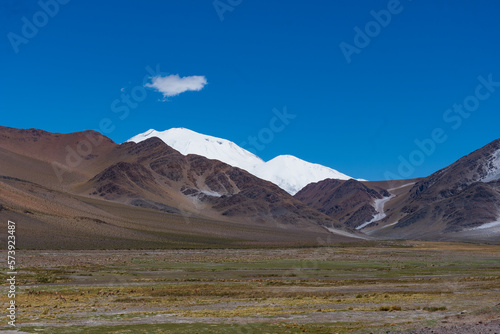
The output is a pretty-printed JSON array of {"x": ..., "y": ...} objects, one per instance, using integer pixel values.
[{"x": 341, "y": 289}]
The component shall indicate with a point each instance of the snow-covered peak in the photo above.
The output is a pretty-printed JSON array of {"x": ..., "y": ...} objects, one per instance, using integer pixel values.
[
  {"x": 189, "y": 142},
  {"x": 293, "y": 174},
  {"x": 143, "y": 136},
  {"x": 288, "y": 172}
]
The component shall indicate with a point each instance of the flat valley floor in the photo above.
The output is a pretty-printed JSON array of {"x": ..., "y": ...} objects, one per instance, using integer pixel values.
[{"x": 376, "y": 287}]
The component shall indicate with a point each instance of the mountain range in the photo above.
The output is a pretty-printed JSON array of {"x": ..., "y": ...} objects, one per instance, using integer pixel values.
[
  {"x": 286, "y": 171},
  {"x": 82, "y": 190}
]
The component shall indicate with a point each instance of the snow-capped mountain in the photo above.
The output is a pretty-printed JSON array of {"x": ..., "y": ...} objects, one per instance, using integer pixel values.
[
  {"x": 292, "y": 174},
  {"x": 286, "y": 171},
  {"x": 189, "y": 142}
]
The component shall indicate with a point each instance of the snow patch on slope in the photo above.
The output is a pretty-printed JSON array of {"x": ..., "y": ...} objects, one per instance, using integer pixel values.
[
  {"x": 486, "y": 226},
  {"x": 378, "y": 204},
  {"x": 288, "y": 172},
  {"x": 494, "y": 168},
  {"x": 345, "y": 233},
  {"x": 488, "y": 230},
  {"x": 400, "y": 187},
  {"x": 210, "y": 193}
]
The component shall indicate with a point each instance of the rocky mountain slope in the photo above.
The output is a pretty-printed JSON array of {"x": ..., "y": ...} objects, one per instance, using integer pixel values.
[
  {"x": 350, "y": 202},
  {"x": 459, "y": 202},
  {"x": 81, "y": 188}
]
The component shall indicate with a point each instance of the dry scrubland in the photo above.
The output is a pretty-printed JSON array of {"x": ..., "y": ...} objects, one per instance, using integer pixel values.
[{"x": 362, "y": 288}]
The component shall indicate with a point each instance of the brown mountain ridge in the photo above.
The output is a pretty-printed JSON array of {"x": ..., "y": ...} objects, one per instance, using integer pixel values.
[
  {"x": 76, "y": 190},
  {"x": 459, "y": 203}
]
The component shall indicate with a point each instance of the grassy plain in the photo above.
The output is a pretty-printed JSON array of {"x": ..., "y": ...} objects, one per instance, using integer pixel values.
[{"x": 353, "y": 288}]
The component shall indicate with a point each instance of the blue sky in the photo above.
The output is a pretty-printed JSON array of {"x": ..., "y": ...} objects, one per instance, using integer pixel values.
[{"x": 360, "y": 117}]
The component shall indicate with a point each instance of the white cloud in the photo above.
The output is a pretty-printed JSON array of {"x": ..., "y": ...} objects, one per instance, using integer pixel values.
[{"x": 172, "y": 85}]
